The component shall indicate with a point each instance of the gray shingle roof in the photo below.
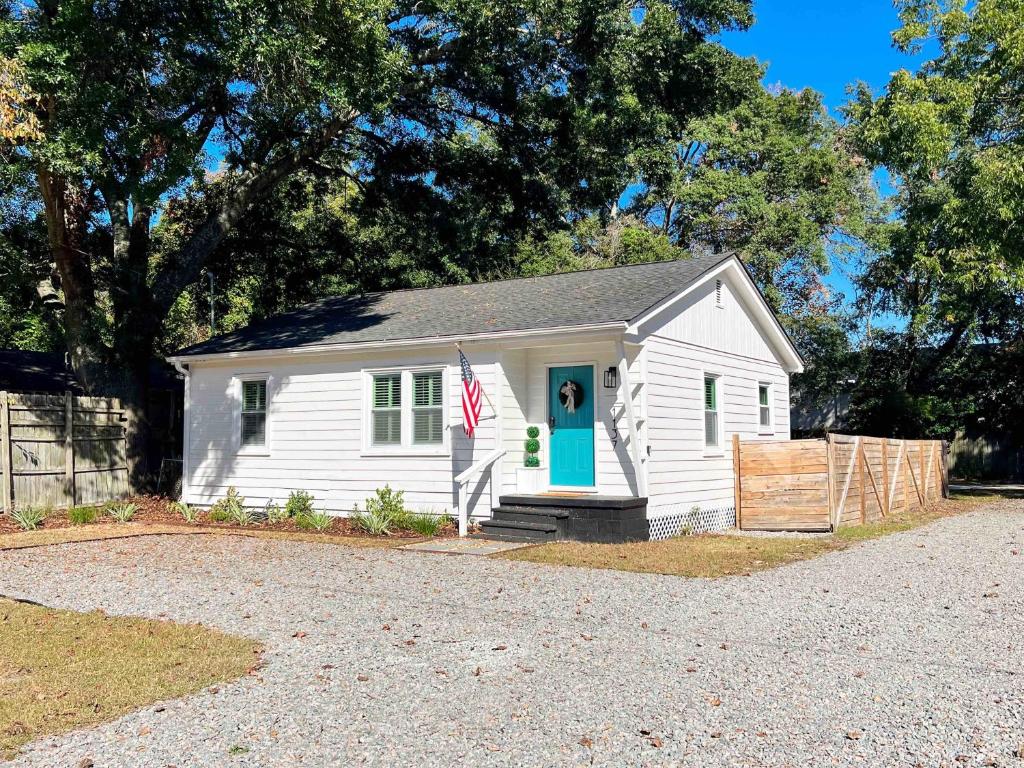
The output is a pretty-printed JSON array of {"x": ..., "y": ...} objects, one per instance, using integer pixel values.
[{"x": 553, "y": 301}]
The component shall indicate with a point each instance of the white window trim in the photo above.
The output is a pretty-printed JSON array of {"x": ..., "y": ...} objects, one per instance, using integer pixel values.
[
  {"x": 251, "y": 450},
  {"x": 713, "y": 451},
  {"x": 768, "y": 429},
  {"x": 407, "y": 448}
]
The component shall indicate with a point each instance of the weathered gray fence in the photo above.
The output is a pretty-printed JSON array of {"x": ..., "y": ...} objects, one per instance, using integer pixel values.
[
  {"x": 987, "y": 457},
  {"x": 61, "y": 450}
]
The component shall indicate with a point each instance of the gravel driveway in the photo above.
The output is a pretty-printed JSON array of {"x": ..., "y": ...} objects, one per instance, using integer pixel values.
[{"x": 904, "y": 651}]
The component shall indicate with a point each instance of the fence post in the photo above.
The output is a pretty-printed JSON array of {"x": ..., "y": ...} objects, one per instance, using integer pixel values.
[
  {"x": 863, "y": 489},
  {"x": 830, "y": 465},
  {"x": 69, "y": 448},
  {"x": 736, "y": 486},
  {"x": 5, "y": 452},
  {"x": 885, "y": 475}
]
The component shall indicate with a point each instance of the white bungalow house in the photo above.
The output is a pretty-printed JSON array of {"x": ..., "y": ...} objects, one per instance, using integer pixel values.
[{"x": 667, "y": 361}]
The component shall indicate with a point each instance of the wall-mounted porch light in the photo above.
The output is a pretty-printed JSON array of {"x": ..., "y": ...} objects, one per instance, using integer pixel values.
[{"x": 611, "y": 378}]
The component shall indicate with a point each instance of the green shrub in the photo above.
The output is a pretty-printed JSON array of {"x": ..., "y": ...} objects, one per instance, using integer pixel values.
[
  {"x": 532, "y": 445},
  {"x": 188, "y": 514},
  {"x": 532, "y": 461},
  {"x": 122, "y": 511},
  {"x": 29, "y": 518},
  {"x": 427, "y": 524},
  {"x": 274, "y": 513},
  {"x": 299, "y": 503},
  {"x": 314, "y": 520},
  {"x": 82, "y": 515},
  {"x": 230, "y": 508},
  {"x": 387, "y": 503},
  {"x": 533, "y": 432}
]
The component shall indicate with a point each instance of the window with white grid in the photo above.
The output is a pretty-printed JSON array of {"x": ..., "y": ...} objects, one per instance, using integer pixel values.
[{"x": 254, "y": 414}]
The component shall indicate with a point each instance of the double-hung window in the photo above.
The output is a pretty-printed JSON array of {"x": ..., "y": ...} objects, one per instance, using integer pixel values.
[
  {"x": 427, "y": 409},
  {"x": 386, "y": 413},
  {"x": 253, "y": 426},
  {"x": 712, "y": 436},
  {"x": 764, "y": 407},
  {"x": 407, "y": 411}
]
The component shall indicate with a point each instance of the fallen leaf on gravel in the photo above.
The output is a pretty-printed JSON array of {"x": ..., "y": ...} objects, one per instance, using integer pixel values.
[
  {"x": 724, "y": 646},
  {"x": 643, "y": 625},
  {"x": 299, "y": 634},
  {"x": 859, "y": 673},
  {"x": 656, "y": 742},
  {"x": 410, "y": 642},
  {"x": 762, "y": 734},
  {"x": 386, "y": 627},
  {"x": 500, "y": 648},
  {"x": 853, "y": 735},
  {"x": 477, "y": 672},
  {"x": 145, "y": 730},
  {"x": 990, "y": 594},
  {"x": 362, "y": 678},
  {"x": 586, "y": 742},
  {"x": 587, "y": 637},
  {"x": 85, "y": 762},
  {"x": 1014, "y": 551},
  {"x": 716, "y": 734},
  {"x": 691, "y": 669},
  {"x": 645, "y": 731},
  {"x": 714, "y": 701}
]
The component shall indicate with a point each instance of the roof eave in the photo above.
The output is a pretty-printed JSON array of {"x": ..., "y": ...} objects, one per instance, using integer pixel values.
[{"x": 369, "y": 346}]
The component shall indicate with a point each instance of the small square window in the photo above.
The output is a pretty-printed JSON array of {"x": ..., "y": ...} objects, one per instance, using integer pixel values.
[{"x": 254, "y": 413}]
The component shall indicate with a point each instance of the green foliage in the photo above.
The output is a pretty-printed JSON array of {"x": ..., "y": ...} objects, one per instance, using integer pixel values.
[
  {"x": 230, "y": 509},
  {"x": 426, "y": 524},
  {"x": 532, "y": 461},
  {"x": 299, "y": 503},
  {"x": 532, "y": 445},
  {"x": 387, "y": 503},
  {"x": 29, "y": 518},
  {"x": 374, "y": 523},
  {"x": 82, "y": 515},
  {"x": 533, "y": 432},
  {"x": 274, "y": 513},
  {"x": 122, "y": 511},
  {"x": 188, "y": 514},
  {"x": 314, "y": 520}
]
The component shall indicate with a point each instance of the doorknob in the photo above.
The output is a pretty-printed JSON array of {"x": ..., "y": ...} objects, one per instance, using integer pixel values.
[{"x": 551, "y": 423}]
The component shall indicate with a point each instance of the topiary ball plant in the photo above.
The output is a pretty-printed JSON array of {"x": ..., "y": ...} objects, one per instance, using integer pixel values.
[{"x": 532, "y": 445}]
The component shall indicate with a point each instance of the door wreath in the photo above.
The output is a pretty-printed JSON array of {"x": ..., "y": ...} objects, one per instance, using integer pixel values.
[{"x": 570, "y": 395}]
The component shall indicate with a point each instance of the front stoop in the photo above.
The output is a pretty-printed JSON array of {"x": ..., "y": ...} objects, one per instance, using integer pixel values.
[{"x": 543, "y": 517}]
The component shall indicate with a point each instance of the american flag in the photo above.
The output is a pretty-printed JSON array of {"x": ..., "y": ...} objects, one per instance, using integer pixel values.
[{"x": 470, "y": 397}]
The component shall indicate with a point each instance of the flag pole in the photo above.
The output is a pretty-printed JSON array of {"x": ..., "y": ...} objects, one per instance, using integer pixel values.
[{"x": 483, "y": 391}]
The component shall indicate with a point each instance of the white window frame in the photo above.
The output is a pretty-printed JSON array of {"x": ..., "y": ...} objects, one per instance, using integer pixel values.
[
  {"x": 407, "y": 446},
  {"x": 252, "y": 450},
  {"x": 769, "y": 428},
  {"x": 712, "y": 450}
]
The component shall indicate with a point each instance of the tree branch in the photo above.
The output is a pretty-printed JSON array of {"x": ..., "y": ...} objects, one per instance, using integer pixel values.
[{"x": 172, "y": 279}]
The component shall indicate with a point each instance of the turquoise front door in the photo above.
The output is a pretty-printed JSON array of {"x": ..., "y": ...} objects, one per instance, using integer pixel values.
[{"x": 571, "y": 412}]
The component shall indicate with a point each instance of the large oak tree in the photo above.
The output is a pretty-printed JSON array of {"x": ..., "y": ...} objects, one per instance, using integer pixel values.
[{"x": 517, "y": 110}]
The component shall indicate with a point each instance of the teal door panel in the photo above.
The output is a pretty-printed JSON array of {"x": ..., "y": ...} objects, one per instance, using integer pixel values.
[{"x": 572, "y": 435}]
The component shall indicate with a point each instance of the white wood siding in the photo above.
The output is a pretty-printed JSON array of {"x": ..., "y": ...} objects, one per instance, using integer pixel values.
[
  {"x": 700, "y": 337},
  {"x": 315, "y": 422}
]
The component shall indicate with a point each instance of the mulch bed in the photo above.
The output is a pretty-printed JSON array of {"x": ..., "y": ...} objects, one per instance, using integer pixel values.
[{"x": 157, "y": 509}]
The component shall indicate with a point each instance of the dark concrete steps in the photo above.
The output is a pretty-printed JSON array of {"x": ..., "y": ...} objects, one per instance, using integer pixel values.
[{"x": 519, "y": 530}]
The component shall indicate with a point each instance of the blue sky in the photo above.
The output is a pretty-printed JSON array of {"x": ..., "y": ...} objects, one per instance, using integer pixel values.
[{"x": 826, "y": 46}]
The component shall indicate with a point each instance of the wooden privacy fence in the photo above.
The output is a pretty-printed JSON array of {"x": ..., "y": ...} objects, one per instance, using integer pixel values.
[
  {"x": 61, "y": 450},
  {"x": 820, "y": 485}
]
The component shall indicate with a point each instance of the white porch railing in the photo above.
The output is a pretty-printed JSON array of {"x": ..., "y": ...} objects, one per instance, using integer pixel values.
[{"x": 462, "y": 480}]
